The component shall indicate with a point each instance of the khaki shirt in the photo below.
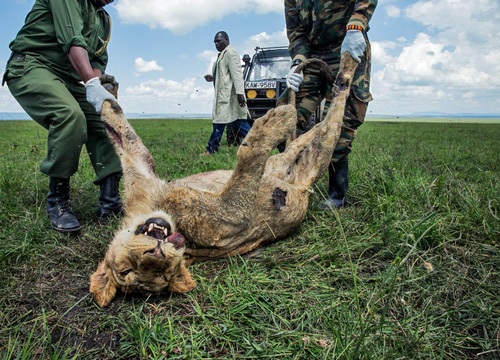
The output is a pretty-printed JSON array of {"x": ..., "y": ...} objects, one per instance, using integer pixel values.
[{"x": 52, "y": 27}]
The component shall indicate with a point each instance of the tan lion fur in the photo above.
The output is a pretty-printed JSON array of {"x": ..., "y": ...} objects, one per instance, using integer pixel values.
[{"x": 219, "y": 213}]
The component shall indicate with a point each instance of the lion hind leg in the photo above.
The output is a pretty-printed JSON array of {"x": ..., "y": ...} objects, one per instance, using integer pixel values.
[
  {"x": 239, "y": 194},
  {"x": 307, "y": 158}
]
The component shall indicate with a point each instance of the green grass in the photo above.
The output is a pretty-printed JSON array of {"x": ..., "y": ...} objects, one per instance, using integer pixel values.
[{"x": 409, "y": 271}]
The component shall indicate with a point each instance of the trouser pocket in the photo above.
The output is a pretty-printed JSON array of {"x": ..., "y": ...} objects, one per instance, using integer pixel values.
[{"x": 15, "y": 67}]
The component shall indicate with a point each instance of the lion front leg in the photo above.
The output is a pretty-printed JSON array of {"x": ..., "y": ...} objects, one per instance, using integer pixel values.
[
  {"x": 140, "y": 179},
  {"x": 124, "y": 138},
  {"x": 268, "y": 131}
]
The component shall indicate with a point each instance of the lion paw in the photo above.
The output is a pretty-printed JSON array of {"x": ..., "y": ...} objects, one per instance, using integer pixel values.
[{"x": 277, "y": 126}]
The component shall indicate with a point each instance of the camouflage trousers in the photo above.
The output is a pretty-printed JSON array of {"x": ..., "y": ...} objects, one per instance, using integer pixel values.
[{"x": 314, "y": 89}]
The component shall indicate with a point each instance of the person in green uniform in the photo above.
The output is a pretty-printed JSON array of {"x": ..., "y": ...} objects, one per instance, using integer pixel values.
[
  {"x": 325, "y": 29},
  {"x": 55, "y": 70}
]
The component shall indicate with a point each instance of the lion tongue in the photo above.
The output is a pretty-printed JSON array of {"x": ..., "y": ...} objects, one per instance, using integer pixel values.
[{"x": 177, "y": 240}]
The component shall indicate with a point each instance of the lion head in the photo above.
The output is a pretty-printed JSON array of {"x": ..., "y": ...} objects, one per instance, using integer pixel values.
[{"x": 146, "y": 256}]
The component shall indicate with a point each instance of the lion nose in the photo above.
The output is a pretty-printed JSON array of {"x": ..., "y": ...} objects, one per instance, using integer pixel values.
[
  {"x": 177, "y": 240},
  {"x": 157, "y": 251}
]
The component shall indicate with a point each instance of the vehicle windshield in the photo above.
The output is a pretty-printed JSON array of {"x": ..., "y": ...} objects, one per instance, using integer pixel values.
[{"x": 269, "y": 65}]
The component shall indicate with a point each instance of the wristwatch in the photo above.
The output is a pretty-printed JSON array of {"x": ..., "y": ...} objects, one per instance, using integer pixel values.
[{"x": 295, "y": 63}]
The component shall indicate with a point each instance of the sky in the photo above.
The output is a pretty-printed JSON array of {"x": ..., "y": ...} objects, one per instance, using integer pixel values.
[{"x": 427, "y": 56}]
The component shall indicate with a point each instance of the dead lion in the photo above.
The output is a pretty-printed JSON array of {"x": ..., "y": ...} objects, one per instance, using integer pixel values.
[{"x": 220, "y": 213}]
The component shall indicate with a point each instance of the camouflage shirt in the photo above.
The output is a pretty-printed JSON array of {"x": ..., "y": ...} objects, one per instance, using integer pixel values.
[{"x": 320, "y": 25}]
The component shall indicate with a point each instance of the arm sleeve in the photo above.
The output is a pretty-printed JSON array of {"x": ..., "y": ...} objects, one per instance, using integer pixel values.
[
  {"x": 363, "y": 11},
  {"x": 68, "y": 23},
  {"x": 297, "y": 36},
  {"x": 100, "y": 62},
  {"x": 234, "y": 63}
]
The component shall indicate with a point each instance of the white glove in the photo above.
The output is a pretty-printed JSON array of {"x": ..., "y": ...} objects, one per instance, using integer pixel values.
[
  {"x": 354, "y": 43},
  {"x": 293, "y": 79},
  {"x": 97, "y": 94}
]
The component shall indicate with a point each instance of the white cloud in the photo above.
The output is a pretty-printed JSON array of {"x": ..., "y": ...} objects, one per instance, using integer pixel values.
[
  {"x": 422, "y": 61},
  {"x": 393, "y": 11},
  {"x": 264, "y": 39},
  {"x": 162, "y": 88},
  {"x": 143, "y": 66},
  {"x": 209, "y": 56},
  {"x": 181, "y": 18},
  {"x": 453, "y": 62},
  {"x": 380, "y": 51},
  {"x": 7, "y": 102},
  {"x": 191, "y": 95},
  {"x": 459, "y": 21},
  {"x": 444, "y": 14},
  {"x": 265, "y": 6}
]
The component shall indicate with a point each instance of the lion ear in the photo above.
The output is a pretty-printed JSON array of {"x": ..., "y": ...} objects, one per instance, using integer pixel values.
[
  {"x": 102, "y": 285},
  {"x": 182, "y": 282}
]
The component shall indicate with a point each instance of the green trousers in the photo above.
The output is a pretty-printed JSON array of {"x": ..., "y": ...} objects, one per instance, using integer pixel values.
[{"x": 60, "y": 106}]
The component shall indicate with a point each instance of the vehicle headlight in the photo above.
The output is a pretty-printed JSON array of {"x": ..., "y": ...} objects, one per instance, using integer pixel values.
[
  {"x": 270, "y": 93},
  {"x": 251, "y": 94}
]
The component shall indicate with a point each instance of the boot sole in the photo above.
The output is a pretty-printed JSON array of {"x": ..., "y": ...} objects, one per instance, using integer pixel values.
[
  {"x": 326, "y": 205},
  {"x": 66, "y": 231}
]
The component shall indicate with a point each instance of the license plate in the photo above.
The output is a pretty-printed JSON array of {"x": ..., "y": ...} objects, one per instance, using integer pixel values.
[{"x": 260, "y": 85}]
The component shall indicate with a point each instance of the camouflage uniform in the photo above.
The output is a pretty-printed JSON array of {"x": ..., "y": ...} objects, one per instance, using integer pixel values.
[{"x": 316, "y": 29}]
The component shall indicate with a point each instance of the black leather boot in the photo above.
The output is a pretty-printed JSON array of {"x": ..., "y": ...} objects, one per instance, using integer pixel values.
[
  {"x": 59, "y": 209},
  {"x": 109, "y": 198},
  {"x": 338, "y": 183}
]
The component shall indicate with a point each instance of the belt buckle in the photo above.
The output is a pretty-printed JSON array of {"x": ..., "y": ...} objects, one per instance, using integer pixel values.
[{"x": 18, "y": 56}]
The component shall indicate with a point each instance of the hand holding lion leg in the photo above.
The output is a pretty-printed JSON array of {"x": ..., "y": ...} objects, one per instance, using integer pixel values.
[{"x": 110, "y": 84}]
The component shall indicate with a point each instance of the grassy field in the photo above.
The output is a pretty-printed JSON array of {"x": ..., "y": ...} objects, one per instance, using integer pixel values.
[
  {"x": 442, "y": 120},
  {"x": 409, "y": 271}
]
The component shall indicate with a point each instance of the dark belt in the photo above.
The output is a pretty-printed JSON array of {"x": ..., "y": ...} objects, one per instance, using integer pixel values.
[
  {"x": 17, "y": 56},
  {"x": 325, "y": 48},
  {"x": 14, "y": 56}
]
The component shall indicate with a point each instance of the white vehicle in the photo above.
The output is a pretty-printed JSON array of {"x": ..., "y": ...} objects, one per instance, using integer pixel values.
[{"x": 265, "y": 78}]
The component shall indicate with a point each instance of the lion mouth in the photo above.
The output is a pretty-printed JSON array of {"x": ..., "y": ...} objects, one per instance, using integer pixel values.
[
  {"x": 161, "y": 230},
  {"x": 155, "y": 227},
  {"x": 114, "y": 135}
]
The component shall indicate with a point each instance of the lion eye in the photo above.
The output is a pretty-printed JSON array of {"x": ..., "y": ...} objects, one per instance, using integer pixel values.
[{"x": 125, "y": 272}]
